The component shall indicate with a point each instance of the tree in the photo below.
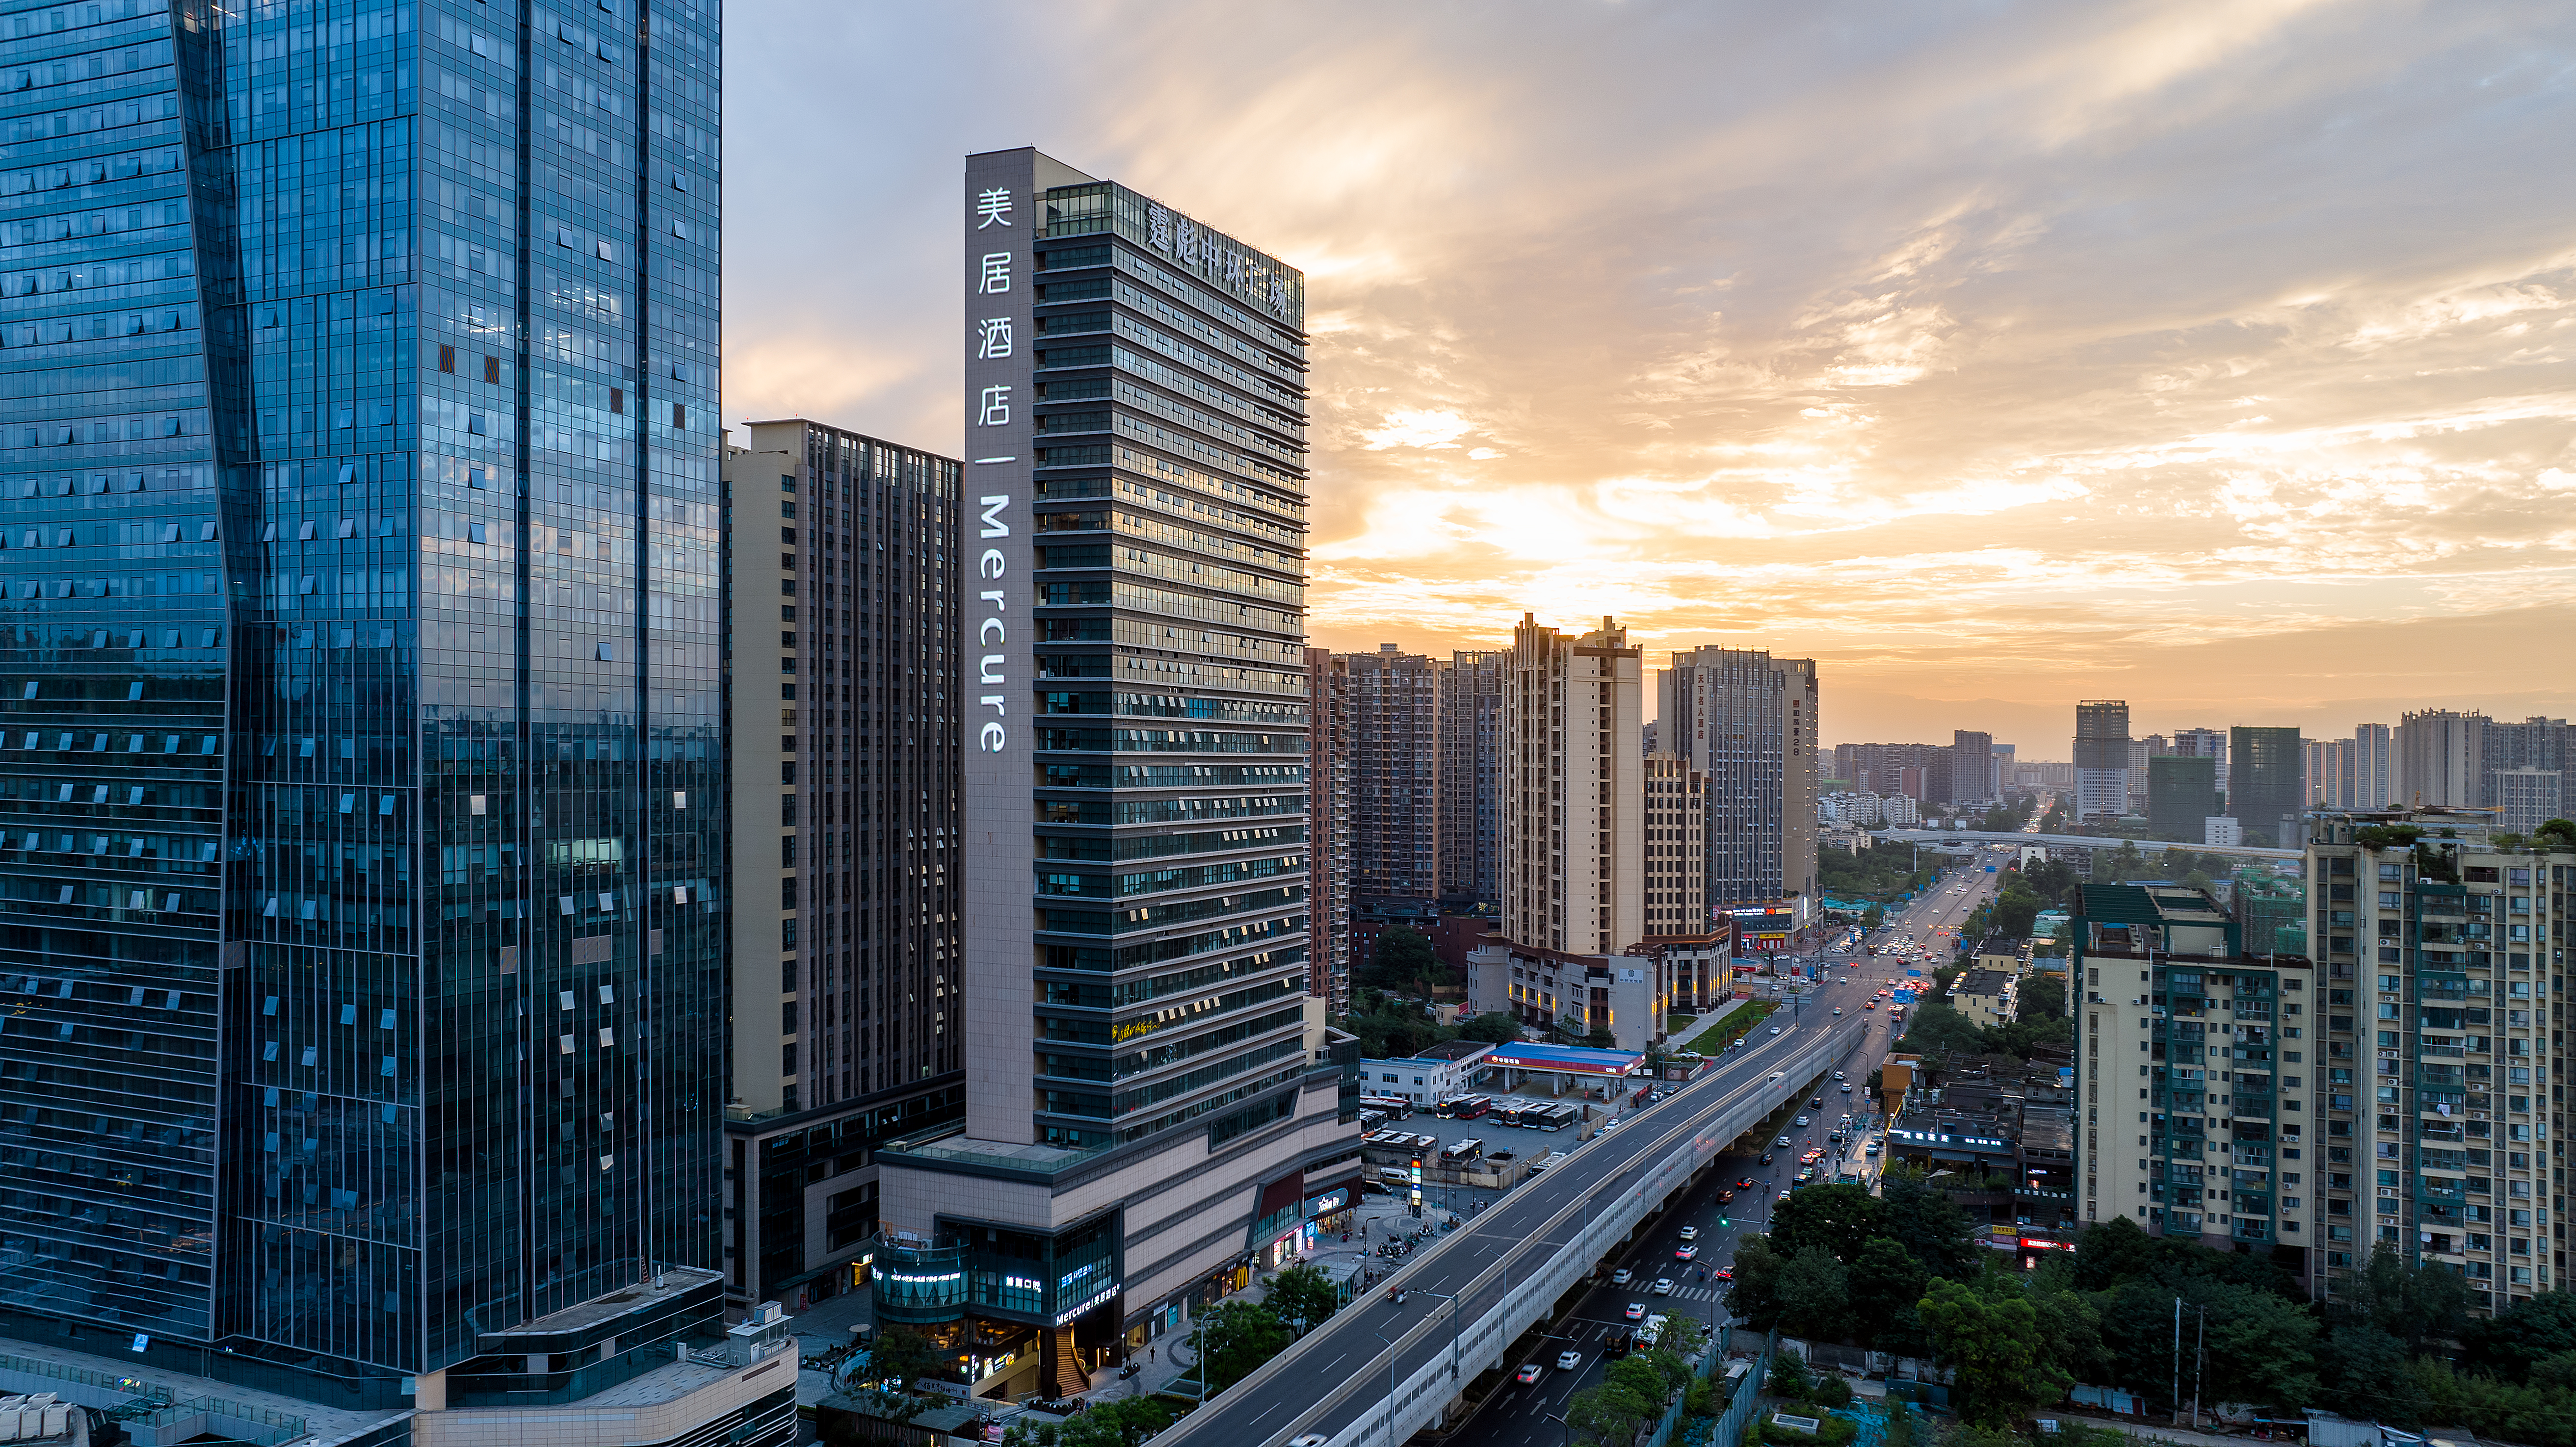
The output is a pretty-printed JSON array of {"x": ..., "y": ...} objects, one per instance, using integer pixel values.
[
  {"x": 1938, "y": 1029},
  {"x": 2415, "y": 1305},
  {"x": 1754, "y": 1297},
  {"x": 1493, "y": 1026},
  {"x": 1788, "y": 1377},
  {"x": 2365, "y": 1376},
  {"x": 1831, "y": 1391},
  {"x": 1994, "y": 1346},
  {"x": 900, "y": 1354},
  {"x": 1815, "y": 1295},
  {"x": 1233, "y": 1338},
  {"x": 1403, "y": 960},
  {"x": 1608, "y": 1414},
  {"x": 2557, "y": 834},
  {"x": 1885, "y": 1283},
  {"x": 1838, "y": 1218},
  {"x": 1928, "y": 1224},
  {"x": 2043, "y": 997},
  {"x": 1640, "y": 1377},
  {"x": 1301, "y": 1297},
  {"x": 2512, "y": 1341}
]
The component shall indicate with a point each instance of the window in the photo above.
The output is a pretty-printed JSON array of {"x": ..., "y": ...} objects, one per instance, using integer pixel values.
[
  {"x": 617, "y": 400},
  {"x": 491, "y": 369},
  {"x": 446, "y": 357}
]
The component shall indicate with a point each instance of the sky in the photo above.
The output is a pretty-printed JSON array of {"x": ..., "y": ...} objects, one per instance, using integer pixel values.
[{"x": 2211, "y": 356}]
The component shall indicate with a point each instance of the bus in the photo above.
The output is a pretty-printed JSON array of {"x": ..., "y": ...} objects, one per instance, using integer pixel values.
[
  {"x": 1558, "y": 1117},
  {"x": 1458, "y": 1153},
  {"x": 1463, "y": 1107},
  {"x": 1393, "y": 1107}
]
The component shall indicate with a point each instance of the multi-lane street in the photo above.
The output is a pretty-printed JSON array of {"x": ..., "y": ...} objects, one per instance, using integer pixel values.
[{"x": 1723, "y": 1208}]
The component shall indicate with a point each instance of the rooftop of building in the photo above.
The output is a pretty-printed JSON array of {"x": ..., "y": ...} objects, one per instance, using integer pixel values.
[
  {"x": 240, "y": 1413},
  {"x": 1581, "y": 1058},
  {"x": 1983, "y": 982}
]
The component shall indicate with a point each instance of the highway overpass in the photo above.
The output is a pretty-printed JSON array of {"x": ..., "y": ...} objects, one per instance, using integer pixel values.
[
  {"x": 1376, "y": 1373},
  {"x": 2073, "y": 841}
]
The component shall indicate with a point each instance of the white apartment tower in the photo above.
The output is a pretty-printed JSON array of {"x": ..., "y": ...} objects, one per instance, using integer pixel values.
[{"x": 1572, "y": 780}]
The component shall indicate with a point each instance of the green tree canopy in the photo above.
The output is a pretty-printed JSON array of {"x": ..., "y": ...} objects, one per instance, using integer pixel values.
[
  {"x": 2513, "y": 1341},
  {"x": 1994, "y": 1346},
  {"x": 1493, "y": 1026},
  {"x": 1885, "y": 1284},
  {"x": 1937, "y": 1029},
  {"x": 1234, "y": 1338},
  {"x": 1301, "y": 1297},
  {"x": 1837, "y": 1217},
  {"x": 900, "y": 1354}
]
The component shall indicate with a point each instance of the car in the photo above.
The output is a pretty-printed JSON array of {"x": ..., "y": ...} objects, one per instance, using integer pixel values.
[
  {"x": 1723, "y": 1273},
  {"x": 1690, "y": 1233},
  {"x": 1870, "y": 1150},
  {"x": 1747, "y": 1183},
  {"x": 1663, "y": 1287},
  {"x": 1835, "y": 1135},
  {"x": 1838, "y": 1009},
  {"x": 1766, "y": 1156},
  {"x": 1846, "y": 1087},
  {"x": 1869, "y": 1005},
  {"x": 1807, "y": 1175},
  {"x": 1817, "y": 1104},
  {"x": 1724, "y": 1195},
  {"x": 1800, "y": 1122},
  {"x": 1782, "y": 1143},
  {"x": 1685, "y": 1252},
  {"x": 1568, "y": 1361},
  {"x": 1635, "y": 1311},
  {"x": 1311, "y": 1439},
  {"x": 1775, "y": 1029},
  {"x": 1784, "y": 1195},
  {"x": 1529, "y": 1374},
  {"x": 1611, "y": 1124},
  {"x": 1622, "y": 1276},
  {"x": 1838, "y": 1075}
]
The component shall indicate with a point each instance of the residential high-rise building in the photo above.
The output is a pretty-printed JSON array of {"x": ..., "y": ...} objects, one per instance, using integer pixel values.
[
  {"x": 2218, "y": 1141},
  {"x": 2373, "y": 767},
  {"x": 1676, "y": 824},
  {"x": 2440, "y": 758},
  {"x": 2436, "y": 1099},
  {"x": 1395, "y": 704},
  {"x": 2525, "y": 799},
  {"x": 1747, "y": 721},
  {"x": 1972, "y": 768},
  {"x": 1146, "y": 1112},
  {"x": 1573, "y": 774},
  {"x": 2535, "y": 745},
  {"x": 360, "y": 402},
  {"x": 1883, "y": 769},
  {"x": 1471, "y": 713},
  {"x": 844, "y": 840},
  {"x": 2204, "y": 744},
  {"x": 2265, "y": 785},
  {"x": 2181, "y": 794},
  {"x": 2002, "y": 755},
  {"x": 2101, "y": 759},
  {"x": 1328, "y": 816}
]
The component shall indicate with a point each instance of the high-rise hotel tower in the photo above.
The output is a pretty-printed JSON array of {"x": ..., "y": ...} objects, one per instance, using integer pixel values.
[
  {"x": 359, "y": 909},
  {"x": 1145, "y": 1108}
]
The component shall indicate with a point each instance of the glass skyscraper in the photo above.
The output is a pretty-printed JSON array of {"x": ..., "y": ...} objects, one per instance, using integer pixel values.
[{"x": 361, "y": 956}]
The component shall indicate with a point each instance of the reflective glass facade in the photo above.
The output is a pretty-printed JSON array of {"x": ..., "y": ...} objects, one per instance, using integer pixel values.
[{"x": 361, "y": 662}]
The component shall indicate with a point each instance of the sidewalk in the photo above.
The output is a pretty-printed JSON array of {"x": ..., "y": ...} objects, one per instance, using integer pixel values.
[{"x": 1168, "y": 1358}]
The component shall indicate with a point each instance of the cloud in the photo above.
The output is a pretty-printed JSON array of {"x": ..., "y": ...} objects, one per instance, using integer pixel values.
[{"x": 2040, "y": 346}]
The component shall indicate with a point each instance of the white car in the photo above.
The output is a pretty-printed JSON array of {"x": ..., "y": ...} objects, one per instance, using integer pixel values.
[
  {"x": 1689, "y": 1233},
  {"x": 1663, "y": 1286},
  {"x": 1568, "y": 1361},
  {"x": 1622, "y": 1276},
  {"x": 1800, "y": 1122}
]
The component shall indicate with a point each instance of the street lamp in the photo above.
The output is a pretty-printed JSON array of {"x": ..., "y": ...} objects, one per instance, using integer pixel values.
[
  {"x": 1454, "y": 1305},
  {"x": 1390, "y": 1385}
]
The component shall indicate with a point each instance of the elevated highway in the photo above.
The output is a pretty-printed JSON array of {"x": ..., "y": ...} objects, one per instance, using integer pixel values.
[
  {"x": 2074, "y": 841},
  {"x": 1376, "y": 1372}
]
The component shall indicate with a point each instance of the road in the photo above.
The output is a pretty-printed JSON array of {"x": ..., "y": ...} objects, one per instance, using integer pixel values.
[
  {"x": 1507, "y": 1235},
  {"x": 1530, "y": 1415}
]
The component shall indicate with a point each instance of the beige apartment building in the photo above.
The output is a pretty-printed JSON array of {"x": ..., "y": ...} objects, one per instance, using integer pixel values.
[{"x": 1572, "y": 786}]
